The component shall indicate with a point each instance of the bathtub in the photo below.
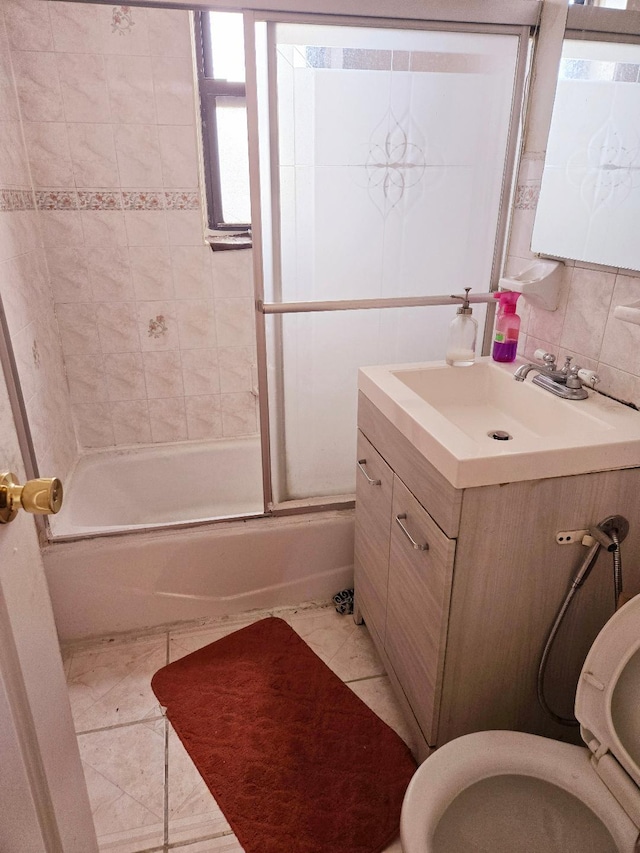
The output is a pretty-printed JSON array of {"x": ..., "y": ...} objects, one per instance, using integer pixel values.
[
  {"x": 161, "y": 484},
  {"x": 136, "y": 578},
  {"x": 136, "y": 581}
]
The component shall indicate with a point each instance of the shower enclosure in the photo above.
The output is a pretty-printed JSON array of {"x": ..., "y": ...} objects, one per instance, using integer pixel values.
[{"x": 381, "y": 156}]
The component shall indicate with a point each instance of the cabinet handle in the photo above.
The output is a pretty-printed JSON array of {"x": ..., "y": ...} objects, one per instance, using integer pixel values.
[
  {"x": 370, "y": 480},
  {"x": 416, "y": 545}
]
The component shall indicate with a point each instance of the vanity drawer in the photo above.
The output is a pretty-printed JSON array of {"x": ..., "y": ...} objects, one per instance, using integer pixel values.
[
  {"x": 418, "y": 605},
  {"x": 374, "y": 486}
]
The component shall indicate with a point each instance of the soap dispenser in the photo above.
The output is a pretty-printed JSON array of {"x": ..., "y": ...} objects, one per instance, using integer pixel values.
[{"x": 461, "y": 346}]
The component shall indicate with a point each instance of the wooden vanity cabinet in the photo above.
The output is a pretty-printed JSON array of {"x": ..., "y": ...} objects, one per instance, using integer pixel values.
[{"x": 460, "y": 625}]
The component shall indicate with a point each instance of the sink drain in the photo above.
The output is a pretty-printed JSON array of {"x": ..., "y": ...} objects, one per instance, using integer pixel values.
[{"x": 499, "y": 435}]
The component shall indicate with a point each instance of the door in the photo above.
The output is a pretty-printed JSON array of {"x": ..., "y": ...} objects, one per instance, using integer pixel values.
[
  {"x": 43, "y": 798},
  {"x": 384, "y": 156}
]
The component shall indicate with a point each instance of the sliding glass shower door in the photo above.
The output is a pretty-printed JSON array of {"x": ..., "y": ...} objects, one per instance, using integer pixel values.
[{"x": 384, "y": 163}]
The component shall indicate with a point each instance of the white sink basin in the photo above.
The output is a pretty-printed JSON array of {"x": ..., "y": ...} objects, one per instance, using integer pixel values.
[{"x": 451, "y": 413}]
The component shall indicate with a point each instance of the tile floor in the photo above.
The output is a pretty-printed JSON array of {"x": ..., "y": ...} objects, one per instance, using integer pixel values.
[{"x": 145, "y": 793}]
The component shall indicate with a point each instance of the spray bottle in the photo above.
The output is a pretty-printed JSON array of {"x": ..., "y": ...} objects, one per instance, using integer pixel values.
[{"x": 507, "y": 328}]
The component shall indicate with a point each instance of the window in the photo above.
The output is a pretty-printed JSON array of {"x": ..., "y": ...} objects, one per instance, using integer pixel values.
[{"x": 221, "y": 77}]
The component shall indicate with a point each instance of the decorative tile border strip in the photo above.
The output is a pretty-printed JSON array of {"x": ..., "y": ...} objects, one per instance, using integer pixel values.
[
  {"x": 13, "y": 200},
  {"x": 527, "y": 196},
  {"x": 90, "y": 199}
]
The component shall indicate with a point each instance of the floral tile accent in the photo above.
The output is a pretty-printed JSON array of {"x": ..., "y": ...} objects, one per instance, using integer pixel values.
[
  {"x": 527, "y": 196},
  {"x": 182, "y": 200},
  {"x": 99, "y": 200},
  {"x": 122, "y": 20},
  {"x": 143, "y": 200},
  {"x": 158, "y": 326},
  {"x": 56, "y": 200},
  {"x": 13, "y": 200}
]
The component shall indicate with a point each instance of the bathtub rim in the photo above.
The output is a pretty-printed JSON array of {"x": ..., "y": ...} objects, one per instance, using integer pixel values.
[{"x": 327, "y": 503}]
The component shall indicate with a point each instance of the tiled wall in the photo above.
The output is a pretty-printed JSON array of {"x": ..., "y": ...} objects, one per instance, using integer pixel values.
[
  {"x": 157, "y": 332},
  {"x": 583, "y": 326},
  {"x": 25, "y": 290}
]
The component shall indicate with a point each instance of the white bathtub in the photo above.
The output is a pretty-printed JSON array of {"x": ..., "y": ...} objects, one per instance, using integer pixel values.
[
  {"x": 139, "y": 580},
  {"x": 161, "y": 484},
  {"x": 136, "y": 578}
]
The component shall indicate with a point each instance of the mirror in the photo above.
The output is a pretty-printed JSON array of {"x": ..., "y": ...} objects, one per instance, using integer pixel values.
[{"x": 590, "y": 193}]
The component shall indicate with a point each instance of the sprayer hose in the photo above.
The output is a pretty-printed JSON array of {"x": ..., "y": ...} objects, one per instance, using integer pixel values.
[{"x": 576, "y": 583}]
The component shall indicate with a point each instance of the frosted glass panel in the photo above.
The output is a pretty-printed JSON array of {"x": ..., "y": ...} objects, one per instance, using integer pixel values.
[
  {"x": 321, "y": 354},
  {"x": 590, "y": 194},
  {"x": 390, "y": 166}
]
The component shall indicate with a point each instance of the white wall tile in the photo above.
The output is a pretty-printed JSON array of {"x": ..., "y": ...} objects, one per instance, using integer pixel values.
[
  {"x": 151, "y": 272},
  {"x": 173, "y": 89},
  {"x": 146, "y": 227},
  {"x": 239, "y": 414},
  {"x": 94, "y": 426},
  {"x": 75, "y": 27},
  {"x": 232, "y": 273},
  {"x": 163, "y": 374},
  {"x": 38, "y": 85},
  {"x": 86, "y": 377},
  {"x": 196, "y": 323},
  {"x": 109, "y": 273},
  {"x": 168, "y": 419},
  {"x": 138, "y": 154},
  {"x": 83, "y": 83},
  {"x": 236, "y": 368},
  {"x": 179, "y": 156},
  {"x": 78, "y": 329},
  {"x": 131, "y": 89},
  {"x": 61, "y": 228},
  {"x": 169, "y": 33},
  {"x": 28, "y": 25},
  {"x": 69, "y": 274},
  {"x": 621, "y": 343},
  {"x": 117, "y": 326},
  {"x": 93, "y": 155},
  {"x": 587, "y": 311},
  {"x": 48, "y": 147},
  {"x": 191, "y": 272},
  {"x": 103, "y": 228},
  {"x": 124, "y": 373},
  {"x": 204, "y": 417},
  {"x": 200, "y": 372},
  {"x": 185, "y": 227},
  {"x": 131, "y": 424},
  {"x": 235, "y": 322}
]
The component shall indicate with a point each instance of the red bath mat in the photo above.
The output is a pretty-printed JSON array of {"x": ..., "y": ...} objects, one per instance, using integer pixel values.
[{"x": 296, "y": 761}]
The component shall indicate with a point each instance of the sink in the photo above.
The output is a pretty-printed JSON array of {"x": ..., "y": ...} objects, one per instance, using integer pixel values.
[{"x": 478, "y": 426}]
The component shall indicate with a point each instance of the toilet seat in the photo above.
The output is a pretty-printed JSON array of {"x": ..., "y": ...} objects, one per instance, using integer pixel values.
[{"x": 605, "y": 777}]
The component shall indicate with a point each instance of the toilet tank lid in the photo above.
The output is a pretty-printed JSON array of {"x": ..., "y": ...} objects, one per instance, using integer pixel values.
[{"x": 608, "y": 695}]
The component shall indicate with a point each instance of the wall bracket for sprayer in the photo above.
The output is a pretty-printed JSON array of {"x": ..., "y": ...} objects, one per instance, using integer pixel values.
[{"x": 539, "y": 283}]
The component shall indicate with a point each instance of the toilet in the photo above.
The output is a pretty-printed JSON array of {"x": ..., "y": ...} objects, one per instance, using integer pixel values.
[{"x": 510, "y": 792}]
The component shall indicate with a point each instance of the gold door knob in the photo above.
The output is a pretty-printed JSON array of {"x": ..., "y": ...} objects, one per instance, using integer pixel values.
[{"x": 41, "y": 497}]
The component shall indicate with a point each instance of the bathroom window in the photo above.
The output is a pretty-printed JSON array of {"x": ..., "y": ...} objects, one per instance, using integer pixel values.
[{"x": 221, "y": 77}]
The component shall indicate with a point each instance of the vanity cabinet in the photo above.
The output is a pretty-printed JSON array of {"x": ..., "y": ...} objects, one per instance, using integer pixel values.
[{"x": 459, "y": 587}]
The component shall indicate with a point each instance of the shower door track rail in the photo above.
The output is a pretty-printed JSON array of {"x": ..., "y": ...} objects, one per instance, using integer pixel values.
[{"x": 360, "y": 304}]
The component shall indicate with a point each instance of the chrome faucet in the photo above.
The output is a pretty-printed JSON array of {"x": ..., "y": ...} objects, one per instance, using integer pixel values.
[
  {"x": 548, "y": 368},
  {"x": 567, "y": 382}
]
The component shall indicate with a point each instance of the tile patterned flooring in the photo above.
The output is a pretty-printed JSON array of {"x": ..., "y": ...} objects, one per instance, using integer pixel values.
[{"x": 145, "y": 793}]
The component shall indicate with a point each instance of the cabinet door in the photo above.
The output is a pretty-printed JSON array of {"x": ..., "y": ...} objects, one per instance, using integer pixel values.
[
  {"x": 418, "y": 605},
  {"x": 374, "y": 485}
]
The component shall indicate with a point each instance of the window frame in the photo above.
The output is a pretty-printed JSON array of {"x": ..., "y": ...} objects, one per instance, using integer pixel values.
[{"x": 209, "y": 89}]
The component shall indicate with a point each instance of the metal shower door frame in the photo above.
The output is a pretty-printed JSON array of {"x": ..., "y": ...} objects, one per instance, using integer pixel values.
[{"x": 256, "y": 177}]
